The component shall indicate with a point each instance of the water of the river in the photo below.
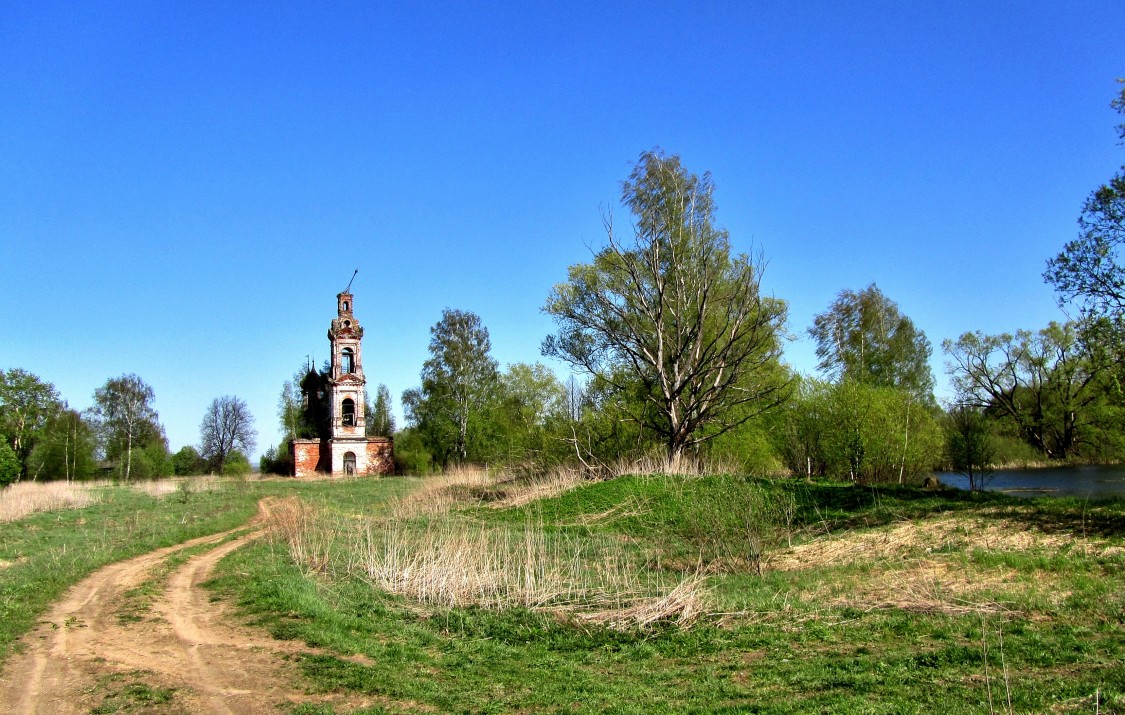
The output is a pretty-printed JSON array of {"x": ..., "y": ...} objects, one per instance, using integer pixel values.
[{"x": 1082, "y": 482}]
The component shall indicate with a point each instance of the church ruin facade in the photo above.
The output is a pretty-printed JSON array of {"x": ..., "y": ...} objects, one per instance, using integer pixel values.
[{"x": 335, "y": 406}]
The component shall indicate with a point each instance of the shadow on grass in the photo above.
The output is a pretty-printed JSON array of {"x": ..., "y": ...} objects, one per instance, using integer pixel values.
[{"x": 840, "y": 506}]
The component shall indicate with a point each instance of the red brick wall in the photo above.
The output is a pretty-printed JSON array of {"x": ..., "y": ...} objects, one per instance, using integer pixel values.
[
  {"x": 380, "y": 456},
  {"x": 311, "y": 457},
  {"x": 306, "y": 457}
]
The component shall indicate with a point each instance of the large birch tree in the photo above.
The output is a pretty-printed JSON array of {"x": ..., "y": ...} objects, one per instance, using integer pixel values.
[
  {"x": 671, "y": 312},
  {"x": 865, "y": 338},
  {"x": 458, "y": 381},
  {"x": 125, "y": 416}
]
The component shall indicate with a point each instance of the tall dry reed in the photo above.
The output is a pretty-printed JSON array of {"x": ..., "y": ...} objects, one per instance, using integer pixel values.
[
  {"x": 441, "y": 493},
  {"x": 552, "y": 483},
  {"x": 450, "y": 562},
  {"x": 459, "y": 563},
  {"x": 475, "y": 486},
  {"x": 312, "y": 539},
  {"x": 687, "y": 466}
]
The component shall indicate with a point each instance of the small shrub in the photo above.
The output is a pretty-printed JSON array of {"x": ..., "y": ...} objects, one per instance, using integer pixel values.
[
  {"x": 9, "y": 465},
  {"x": 184, "y": 490},
  {"x": 276, "y": 460},
  {"x": 411, "y": 454},
  {"x": 187, "y": 462},
  {"x": 236, "y": 465}
]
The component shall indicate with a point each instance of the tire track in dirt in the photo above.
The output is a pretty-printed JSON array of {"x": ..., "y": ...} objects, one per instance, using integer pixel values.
[{"x": 184, "y": 646}]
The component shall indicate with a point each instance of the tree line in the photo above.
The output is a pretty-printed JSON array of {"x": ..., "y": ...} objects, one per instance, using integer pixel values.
[
  {"x": 119, "y": 436},
  {"x": 675, "y": 351}
]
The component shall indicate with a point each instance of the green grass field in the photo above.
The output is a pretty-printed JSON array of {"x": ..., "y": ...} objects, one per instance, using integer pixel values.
[{"x": 889, "y": 600}]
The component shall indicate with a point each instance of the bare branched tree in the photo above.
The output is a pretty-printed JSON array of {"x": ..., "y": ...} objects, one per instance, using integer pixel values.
[{"x": 227, "y": 426}]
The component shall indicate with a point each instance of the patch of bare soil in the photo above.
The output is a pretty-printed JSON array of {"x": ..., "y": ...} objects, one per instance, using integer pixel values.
[{"x": 186, "y": 657}]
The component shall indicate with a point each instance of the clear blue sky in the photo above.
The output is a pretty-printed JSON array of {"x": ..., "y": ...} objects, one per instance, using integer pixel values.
[{"x": 184, "y": 187}]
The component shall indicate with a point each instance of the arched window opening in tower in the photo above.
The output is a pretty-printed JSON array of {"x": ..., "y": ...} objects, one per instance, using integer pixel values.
[
  {"x": 349, "y": 463},
  {"x": 347, "y": 361},
  {"x": 347, "y": 411}
]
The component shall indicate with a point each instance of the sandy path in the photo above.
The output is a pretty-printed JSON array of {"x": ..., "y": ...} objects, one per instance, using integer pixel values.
[{"x": 84, "y": 652}]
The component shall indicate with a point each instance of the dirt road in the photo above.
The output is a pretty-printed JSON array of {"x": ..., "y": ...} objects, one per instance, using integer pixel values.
[{"x": 126, "y": 638}]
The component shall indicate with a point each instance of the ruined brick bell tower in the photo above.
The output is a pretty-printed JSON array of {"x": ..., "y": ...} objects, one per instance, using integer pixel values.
[
  {"x": 346, "y": 389},
  {"x": 345, "y": 450}
]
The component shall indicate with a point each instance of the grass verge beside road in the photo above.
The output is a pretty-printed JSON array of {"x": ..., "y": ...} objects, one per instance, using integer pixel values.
[
  {"x": 815, "y": 597},
  {"x": 884, "y": 600},
  {"x": 44, "y": 554}
]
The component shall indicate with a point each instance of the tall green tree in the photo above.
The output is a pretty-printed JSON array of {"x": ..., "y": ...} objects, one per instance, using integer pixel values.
[
  {"x": 66, "y": 450},
  {"x": 27, "y": 404},
  {"x": 1055, "y": 387},
  {"x": 1088, "y": 272},
  {"x": 458, "y": 381},
  {"x": 152, "y": 460},
  {"x": 864, "y": 337},
  {"x": 303, "y": 405},
  {"x": 673, "y": 313},
  {"x": 125, "y": 417},
  {"x": 290, "y": 406},
  {"x": 380, "y": 419},
  {"x": 530, "y": 415},
  {"x": 227, "y": 427},
  {"x": 601, "y": 425}
]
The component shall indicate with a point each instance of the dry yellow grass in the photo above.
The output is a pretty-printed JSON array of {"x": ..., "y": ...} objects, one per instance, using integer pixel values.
[
  {"x": 553, "y": 483},
  {"x": 500, "y": 489},
  {"x": 945, "y": 533},
  {"x": 160, "y": 488},
  {"x": 650, "y": 465},
  {"x": 450, "y": 562},
  {"x": 474, "y": 485},
  {"x": 441, "y": 493},
  {"x": 302, "y": 529},
  {"x": 25, "y": 498},
  {"x": 683, "y": 605},
  {"x": 918, "y": 566},
  {"x": 933, "y": 586},
  {"x": 630, "y": 507}
]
